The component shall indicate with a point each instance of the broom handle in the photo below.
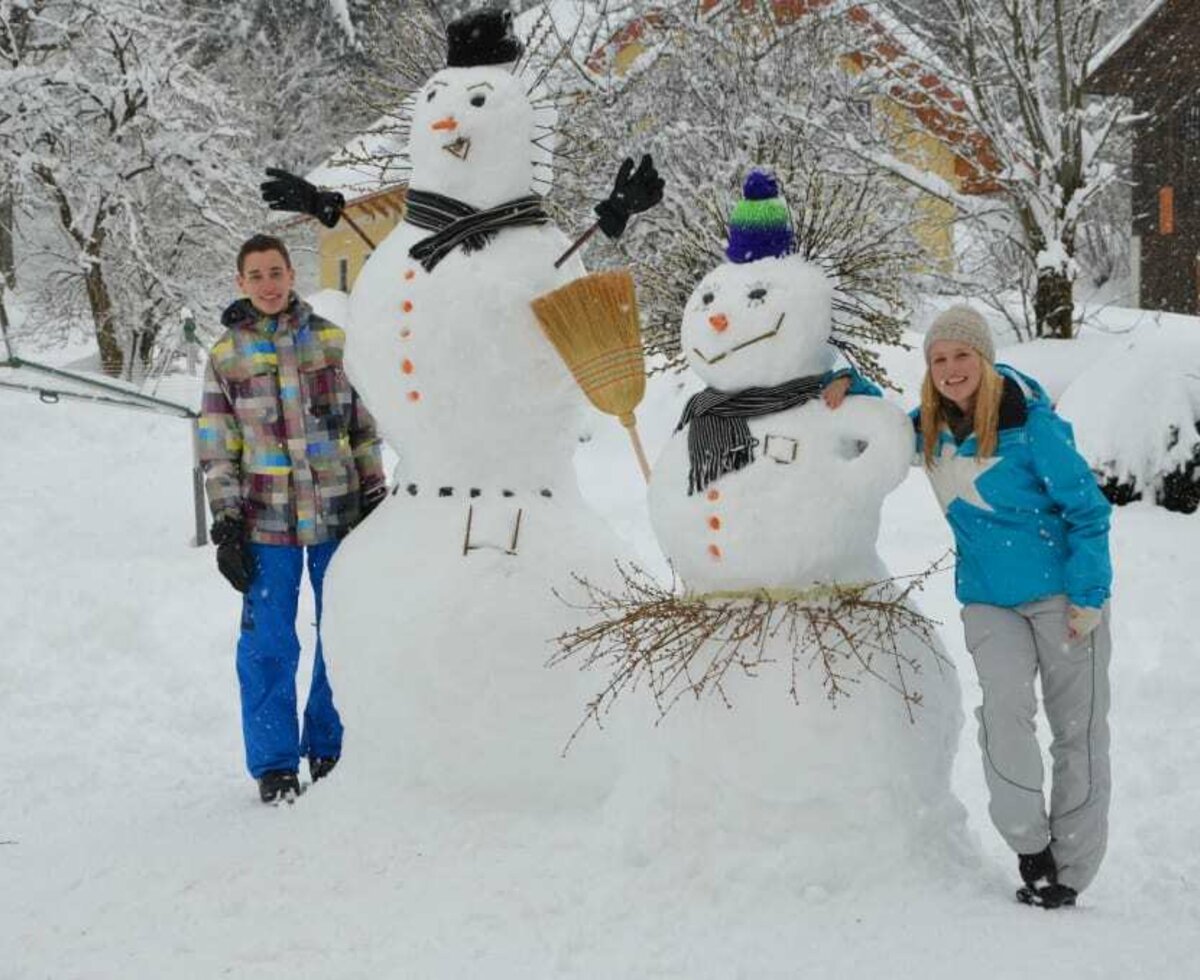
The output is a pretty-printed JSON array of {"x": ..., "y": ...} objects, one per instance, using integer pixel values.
[{"x": 630, "y": 424}]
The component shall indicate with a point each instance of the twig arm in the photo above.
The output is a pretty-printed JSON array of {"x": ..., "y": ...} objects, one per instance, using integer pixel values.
[
  {"x": 576, "y": 246},
  {"x": 361, "y": 234}
]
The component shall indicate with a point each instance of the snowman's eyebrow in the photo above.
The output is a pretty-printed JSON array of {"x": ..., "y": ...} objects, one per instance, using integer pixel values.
[
  {"x": 479, "y": 85},
  {"x": 442, "y": 84}
]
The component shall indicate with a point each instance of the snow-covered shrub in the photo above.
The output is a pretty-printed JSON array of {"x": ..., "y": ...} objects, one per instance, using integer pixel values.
[{"x": 1136, "y": 415}]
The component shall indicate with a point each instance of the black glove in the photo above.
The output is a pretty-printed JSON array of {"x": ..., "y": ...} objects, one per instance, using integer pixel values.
[
  {"x": 235, "y": 560},
  {"x": 633, "y": 192},
  {"x": 371, "y": 499},
  {"x": 287, "y": 192}
]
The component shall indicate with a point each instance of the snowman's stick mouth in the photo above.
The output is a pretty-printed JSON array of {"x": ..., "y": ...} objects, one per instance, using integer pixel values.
[
  {"x": 459, "y": 148},
  {"x": 737, "y": 347}
]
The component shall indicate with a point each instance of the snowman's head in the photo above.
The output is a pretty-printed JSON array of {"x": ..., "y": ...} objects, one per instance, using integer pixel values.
[
  {"x": 472, "y": 136},
  {"x": 473, "y": 125},
  {"x": 764, "y": 318},
  {"x": 759, "y": 323}
]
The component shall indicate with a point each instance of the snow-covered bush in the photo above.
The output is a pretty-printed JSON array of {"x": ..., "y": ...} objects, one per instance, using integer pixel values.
[{"x": 1136, "y": 414}]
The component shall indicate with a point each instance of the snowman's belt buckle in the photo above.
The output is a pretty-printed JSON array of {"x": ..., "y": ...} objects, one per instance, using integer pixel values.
[
  {"x": 468, "y": 547},
  {"x": 782, "y": 449}
]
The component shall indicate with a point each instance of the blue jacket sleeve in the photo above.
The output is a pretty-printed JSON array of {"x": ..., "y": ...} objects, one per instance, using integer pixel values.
[
  {"x": 1072, "y": 486},
  {"x": 858, "y": 384}
]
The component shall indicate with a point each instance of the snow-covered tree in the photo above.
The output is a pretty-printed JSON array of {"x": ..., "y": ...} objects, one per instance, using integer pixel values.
[
  {"x": 113, "y": 133},
  {"x": 1024, "y": 64},
  {"x": 288, "y": 67},
  {"x": 721, "y": 88}
]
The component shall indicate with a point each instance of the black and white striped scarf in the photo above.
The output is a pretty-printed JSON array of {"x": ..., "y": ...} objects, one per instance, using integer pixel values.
[
  {"x": 455, "y": 223},
  {"x": 719, "y": 439}
]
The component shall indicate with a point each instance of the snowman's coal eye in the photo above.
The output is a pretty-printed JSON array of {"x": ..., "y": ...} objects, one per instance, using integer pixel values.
[
  {"x": 478, "y": 99},
  {"x": 757, "y": 295},
  {"x": 706, "y": 298},
  {"x": 430, "y": 94}
]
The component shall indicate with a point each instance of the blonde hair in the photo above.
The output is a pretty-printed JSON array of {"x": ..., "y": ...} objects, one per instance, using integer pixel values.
[{"x": 987, "y": 412}]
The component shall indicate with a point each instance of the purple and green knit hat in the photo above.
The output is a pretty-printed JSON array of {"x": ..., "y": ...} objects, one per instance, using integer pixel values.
[{"x": 760, "y": 225}]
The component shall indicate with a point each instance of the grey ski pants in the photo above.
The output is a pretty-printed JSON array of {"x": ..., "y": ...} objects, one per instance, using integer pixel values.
[{"x": 1010, "y": 647}]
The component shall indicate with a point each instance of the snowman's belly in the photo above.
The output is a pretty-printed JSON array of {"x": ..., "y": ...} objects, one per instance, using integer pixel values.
[
  {"x": 786, "y": 520},
  {"x": 439, "y": 657},
  {"x": 455, "y": 368}
]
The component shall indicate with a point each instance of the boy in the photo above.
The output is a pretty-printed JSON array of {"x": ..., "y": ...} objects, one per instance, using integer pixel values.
[{"x": 292, "y": 463}]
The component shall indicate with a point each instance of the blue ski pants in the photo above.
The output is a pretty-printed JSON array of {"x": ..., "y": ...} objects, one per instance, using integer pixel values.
[{"x": 268, "y": 653}]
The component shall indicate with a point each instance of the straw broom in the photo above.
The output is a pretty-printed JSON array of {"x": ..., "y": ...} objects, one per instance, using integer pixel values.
[{"x": 593, "y": 324}]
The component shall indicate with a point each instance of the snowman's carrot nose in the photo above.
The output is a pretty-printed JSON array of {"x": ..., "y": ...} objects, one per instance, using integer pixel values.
[
  {"x": 449, "y": 122},
  {"x": 719, "y": 322}
]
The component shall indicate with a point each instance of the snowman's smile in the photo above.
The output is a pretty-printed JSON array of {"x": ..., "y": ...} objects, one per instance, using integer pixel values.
[
  {"x": 459, "y": 147},
  {"x": 737, "y": 347}
]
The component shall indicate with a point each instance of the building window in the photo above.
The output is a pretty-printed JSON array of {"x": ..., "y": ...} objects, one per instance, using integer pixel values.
[
  {"x": 1166, "y": 210},
  {"x": 344, "y": 275},
  {"x": 1189, "y": 141},
  {"x": 1190, "y": 122}
]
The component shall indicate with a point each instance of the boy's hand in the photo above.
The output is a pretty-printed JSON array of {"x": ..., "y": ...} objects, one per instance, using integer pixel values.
[
  {"x": 835, "y": 392},
  {"x": 370, "y": 499},
  {"x": 234, "y": 559}
]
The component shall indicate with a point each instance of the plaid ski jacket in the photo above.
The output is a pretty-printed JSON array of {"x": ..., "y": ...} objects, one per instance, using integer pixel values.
[{"x": 284, "y": 439}]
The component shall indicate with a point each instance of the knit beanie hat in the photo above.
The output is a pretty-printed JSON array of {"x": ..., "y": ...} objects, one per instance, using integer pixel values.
[
  {"x": 965, "y": 325},
  {"x": 760, "y": 225}
]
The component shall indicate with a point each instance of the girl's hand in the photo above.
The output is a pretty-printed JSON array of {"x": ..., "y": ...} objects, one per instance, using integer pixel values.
[
  {"x": 835, "y": 392},
  {"x": 1081, "y": 620}
]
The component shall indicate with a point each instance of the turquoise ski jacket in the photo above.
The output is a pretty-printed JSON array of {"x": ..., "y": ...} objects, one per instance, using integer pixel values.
[{"x": 1030, "y": 521}]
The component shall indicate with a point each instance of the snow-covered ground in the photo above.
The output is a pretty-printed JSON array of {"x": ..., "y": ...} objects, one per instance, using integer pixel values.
[{"x": 132, "y": 843}]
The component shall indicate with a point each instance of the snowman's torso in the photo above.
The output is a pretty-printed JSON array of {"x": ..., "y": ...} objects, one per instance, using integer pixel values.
[
  {"x": 454, "y": 366},
  {"x": 806, "y": 509},
  {"x": 441, "y": 608}
]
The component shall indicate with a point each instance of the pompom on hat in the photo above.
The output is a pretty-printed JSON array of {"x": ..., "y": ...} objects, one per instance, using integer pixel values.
[
  {"x": 965, "y": 325},
  {"x": 760, "y": 226},
  {"x": 484, "y": 37}
]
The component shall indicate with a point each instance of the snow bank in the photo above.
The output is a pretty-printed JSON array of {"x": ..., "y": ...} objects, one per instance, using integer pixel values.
[{"x": 132, "y": 843}]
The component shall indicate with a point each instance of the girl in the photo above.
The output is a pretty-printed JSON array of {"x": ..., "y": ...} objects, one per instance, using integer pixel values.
[{"x": 1033, "y": 574}]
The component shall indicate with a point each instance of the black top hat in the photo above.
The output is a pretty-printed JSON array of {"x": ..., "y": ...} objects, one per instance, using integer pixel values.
[{"x": 484, "y": 37}]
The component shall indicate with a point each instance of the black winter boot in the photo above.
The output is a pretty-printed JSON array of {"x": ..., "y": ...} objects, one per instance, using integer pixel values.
[
  {"x": 278, "y": 786},
  {"x": 1054, "y": 896},
  {"x": 319, "y": 768},
  {"x": 1038, "y": 869}
]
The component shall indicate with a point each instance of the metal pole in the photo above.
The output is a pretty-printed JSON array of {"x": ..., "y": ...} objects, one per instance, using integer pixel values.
[
  {"x": 4, "y": 321},
  {"x": 201, "y": 538}
]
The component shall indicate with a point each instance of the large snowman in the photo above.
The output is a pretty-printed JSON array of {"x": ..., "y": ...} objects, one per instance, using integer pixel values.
[
  {"x": 439, "y": 610},
  {"x": 765, "y": 487}
]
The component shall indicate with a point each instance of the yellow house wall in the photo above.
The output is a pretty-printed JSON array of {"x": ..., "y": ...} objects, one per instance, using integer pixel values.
[
  {"x": 341, "y": 242},
  {"x": 934, "y": 230}
]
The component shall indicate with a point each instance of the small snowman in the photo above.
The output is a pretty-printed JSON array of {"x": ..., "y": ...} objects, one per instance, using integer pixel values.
[
  {"x": 440, "y": 608},
  {"x": 765, "y": 488},
  {"x": 763, "y": 484}
]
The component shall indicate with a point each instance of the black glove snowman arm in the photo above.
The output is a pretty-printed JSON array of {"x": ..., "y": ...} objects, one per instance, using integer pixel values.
[
  {"x": 634, "y": 191},
  {"x": 287, "y": 192}
]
